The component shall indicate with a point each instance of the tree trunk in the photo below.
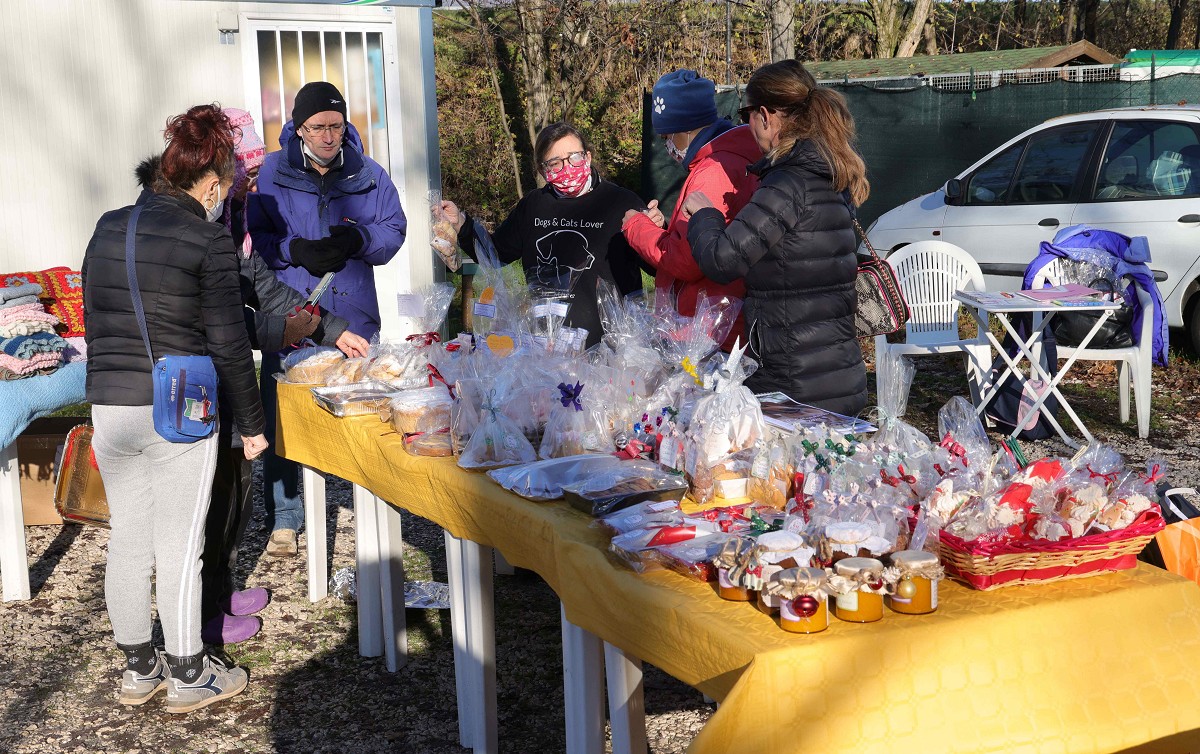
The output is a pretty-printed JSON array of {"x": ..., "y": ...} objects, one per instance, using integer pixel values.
[
  {"x": 1069, "y": 14},
  {"x": 886, "y": 14},
  {"x": 531, "y": 16},
  {"x": 1087, "y": 26},
  {"x": 487, "y": 40},
  {"x": 1178, "y": 9},
  {"x": 916, "y": 28},
  {"x": 783, "y": 29},
  {"x": 931, "y": 47}
]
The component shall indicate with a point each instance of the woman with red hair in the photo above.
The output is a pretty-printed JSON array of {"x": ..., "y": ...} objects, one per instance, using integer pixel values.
[{"x": 158, "y": 491}]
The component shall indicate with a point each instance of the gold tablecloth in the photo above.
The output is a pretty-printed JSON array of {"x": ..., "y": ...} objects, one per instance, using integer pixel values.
[{"x": 1090, "y": 665}]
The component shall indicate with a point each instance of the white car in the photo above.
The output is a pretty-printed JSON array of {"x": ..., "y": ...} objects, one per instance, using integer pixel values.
[{"x": 1132, "y": 170}]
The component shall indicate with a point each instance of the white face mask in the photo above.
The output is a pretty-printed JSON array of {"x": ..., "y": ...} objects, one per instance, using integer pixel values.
[
  {"x": 676, "y": 154},
  {"x": 214, "y": 212},
  {"x": 323, "y": 163}
]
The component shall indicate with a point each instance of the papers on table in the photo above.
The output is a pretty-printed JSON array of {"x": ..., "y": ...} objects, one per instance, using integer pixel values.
[
  {"x": 1062, "y": 293},
  {"x": 782, "y": 412},
  {"x": 993, "y": 300}
]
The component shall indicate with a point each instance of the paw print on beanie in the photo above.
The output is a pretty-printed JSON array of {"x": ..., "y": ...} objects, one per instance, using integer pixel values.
[{"x": 659, "y": 105}]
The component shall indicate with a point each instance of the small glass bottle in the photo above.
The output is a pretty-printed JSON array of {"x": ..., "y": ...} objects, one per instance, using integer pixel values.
[
  {"x": 860, "y": 606},
  {"x": 806, "y": 613},
  {"x": 915, "y": 595}
]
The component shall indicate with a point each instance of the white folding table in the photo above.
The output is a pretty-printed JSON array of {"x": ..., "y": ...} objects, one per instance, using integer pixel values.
[{"x": 1001, "y": 305}]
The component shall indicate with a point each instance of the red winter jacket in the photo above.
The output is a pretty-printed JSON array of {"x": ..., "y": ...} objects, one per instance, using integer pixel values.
[{"x": 718, "y": 170}]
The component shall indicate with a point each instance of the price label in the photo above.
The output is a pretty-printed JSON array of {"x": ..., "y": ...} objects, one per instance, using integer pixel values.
[{"x": 410, "y": 305}]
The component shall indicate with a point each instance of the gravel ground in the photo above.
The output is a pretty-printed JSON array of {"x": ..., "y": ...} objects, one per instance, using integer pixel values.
[{"x": 309, "y": 689}]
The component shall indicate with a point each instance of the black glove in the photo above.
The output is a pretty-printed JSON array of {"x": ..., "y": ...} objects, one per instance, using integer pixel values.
[
  {"x": 318, "y": 257},
  {"x": 346, "y": 238}
]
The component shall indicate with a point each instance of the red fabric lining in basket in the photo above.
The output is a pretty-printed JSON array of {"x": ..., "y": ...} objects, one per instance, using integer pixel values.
[{"x": 1147, "y": 523}]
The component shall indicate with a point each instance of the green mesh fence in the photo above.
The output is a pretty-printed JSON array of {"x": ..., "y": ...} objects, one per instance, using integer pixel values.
[{"x": 914, "y": 140}]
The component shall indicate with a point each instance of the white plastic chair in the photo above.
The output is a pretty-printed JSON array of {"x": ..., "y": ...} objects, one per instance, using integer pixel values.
[
  {"x": 929, "y": 273},
  {"x": 1135, "y": 358}
]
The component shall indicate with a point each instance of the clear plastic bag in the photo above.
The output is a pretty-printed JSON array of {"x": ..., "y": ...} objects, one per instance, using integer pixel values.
[
  {"x": 962, "y": 434},
  {"x": 347, "y": 372},
  {"x": 497, "y": 440},
  {"x": 1133, "y": 496},
  {"x": 618, "y": 486},
  {"x": 544, "y": 480},
  {"x": 402, "y": 365},
  {"x": 444, "y": 238},
  {"x": 310, "y": 366},
  {"x": 424, "y": 410},
  {"x": 644, "y": 515},
  {"x": 576, "y": 424}
]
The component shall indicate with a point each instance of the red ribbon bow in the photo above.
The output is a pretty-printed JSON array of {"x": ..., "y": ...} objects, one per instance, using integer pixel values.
[
  {"x": 1110, "y": 477},
  {"x": 895, "y": 481},
  {"x": 434, "y": 374},
  {"x": 633, "y": 449},
  {"x": 956, "y": 450},
  {"x": 429, "y": 338},
  {"x": 1156, "y": 473}
]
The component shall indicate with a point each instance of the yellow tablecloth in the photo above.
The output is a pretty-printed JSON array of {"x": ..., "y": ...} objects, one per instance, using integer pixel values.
[{"x": 1092, "y": 665}]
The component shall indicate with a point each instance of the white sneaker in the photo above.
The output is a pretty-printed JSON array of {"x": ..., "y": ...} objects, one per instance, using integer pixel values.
[
  {"x": 139, "y": 689},
  {"x": 215, "y": 681}
]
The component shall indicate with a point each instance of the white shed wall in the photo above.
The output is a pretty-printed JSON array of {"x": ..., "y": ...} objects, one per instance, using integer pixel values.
[{"x": 90, "y": 84}]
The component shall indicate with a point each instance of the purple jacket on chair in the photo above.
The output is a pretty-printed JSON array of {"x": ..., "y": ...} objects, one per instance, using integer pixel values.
[{"x": 294, "y": 202}]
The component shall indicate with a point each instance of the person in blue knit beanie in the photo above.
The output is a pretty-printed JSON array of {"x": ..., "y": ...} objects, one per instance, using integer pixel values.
[{"x": 715, "y": 153}]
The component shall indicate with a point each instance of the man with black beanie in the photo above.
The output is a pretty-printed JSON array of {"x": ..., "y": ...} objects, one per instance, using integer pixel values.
[{"x": 322, "y": 206}]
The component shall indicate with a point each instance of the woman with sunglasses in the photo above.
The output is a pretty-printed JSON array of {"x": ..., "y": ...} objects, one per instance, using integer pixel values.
[
  {"x": 794, "y": 243},
  {"x": 715, "y": 154},
  {"x": 569, "y": 228}
]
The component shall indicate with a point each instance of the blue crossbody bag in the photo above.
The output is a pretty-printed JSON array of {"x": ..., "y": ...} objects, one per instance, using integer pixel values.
[{"x": 185, "y": 387}]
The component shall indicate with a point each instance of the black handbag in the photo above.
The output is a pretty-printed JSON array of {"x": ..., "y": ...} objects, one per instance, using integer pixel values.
[{"x": 882, "y": 309}]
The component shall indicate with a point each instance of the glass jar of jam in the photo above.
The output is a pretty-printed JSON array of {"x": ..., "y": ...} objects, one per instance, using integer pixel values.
[
  {"x": 858, "y": 605},
  {"x": 916, "y": 593},
  {"x": 806, "y": 613}
]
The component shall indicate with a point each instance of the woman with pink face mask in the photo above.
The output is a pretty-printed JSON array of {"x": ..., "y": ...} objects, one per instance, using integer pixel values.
[{"x": 569, "y": 228}]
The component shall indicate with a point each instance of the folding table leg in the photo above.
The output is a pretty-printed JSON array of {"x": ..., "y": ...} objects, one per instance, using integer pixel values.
[
  {"x": 14, "y": 561},
  {"x": 626, "y": 705},
  {"x": 391, "y": 585},
  {"x": 583, "y": 689},
  {"x": 472, "y": 622},
  {"x": 503, "y": 567},
  {"x": 367, "y": 535},
  {"x": 314, "y": 524},
  {"x": 463, "y": 678}
]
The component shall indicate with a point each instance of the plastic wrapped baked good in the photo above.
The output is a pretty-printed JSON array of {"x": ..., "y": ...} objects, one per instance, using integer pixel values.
[
  {"x": 311, "y": 366},
  {"x": 627, "y": 483},
  {"x": 435, "y": 444},
  {"x": 497, "y": 440},
  {"x": 347, "y": 372},
  {"x": 422, "y": 410}
]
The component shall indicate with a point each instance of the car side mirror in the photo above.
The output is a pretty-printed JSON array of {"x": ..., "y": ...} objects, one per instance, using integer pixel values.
[{"x": 954, "y": 190}]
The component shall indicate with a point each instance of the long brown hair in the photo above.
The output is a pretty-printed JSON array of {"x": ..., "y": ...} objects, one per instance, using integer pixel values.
[{"x": 811, "y": 112}]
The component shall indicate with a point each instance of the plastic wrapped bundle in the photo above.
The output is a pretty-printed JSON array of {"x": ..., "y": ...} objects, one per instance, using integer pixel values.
[
  {"x": 545, "y": 480},
  {"x": 497, "y": 440},
  {"x": 445, "y": 237},
  {"x": 576, "y": 425},
  {"x": 310, "y": 366}
]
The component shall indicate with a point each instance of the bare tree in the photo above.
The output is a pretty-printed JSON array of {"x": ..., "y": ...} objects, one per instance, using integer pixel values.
[
  {"x": 898, "y": 26},
  {"x": 781, "y": 29}
]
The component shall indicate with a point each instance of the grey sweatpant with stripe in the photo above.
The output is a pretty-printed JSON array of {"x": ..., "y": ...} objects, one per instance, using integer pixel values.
[{"x": 158, "y": 494}]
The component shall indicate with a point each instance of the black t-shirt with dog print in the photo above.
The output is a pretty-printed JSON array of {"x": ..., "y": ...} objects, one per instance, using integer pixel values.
[{"x": 558, "y": 237}]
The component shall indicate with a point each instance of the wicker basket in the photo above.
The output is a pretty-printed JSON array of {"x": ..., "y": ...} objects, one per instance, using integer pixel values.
[{"x": 988, "y": 566}]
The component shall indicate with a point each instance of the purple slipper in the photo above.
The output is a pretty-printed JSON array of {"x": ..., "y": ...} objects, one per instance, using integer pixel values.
[
  {"x": 247, "y": 601},
  {"x": 229, "y": 629}
]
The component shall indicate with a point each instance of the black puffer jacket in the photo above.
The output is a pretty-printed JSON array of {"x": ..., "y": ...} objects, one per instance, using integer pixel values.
[
  {"x": 794, "y": 244},
  {"x": 188, "y": 274}
]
